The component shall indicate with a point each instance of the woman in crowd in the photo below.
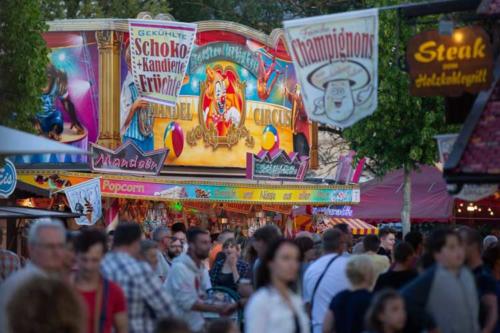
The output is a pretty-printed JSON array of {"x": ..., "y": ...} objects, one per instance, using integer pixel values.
[
  {"x": 387, "y": 313},
  {"x": 229, "y": 268},
  {"x": 45, "y": 305},
  {"x": 348, "y": 306},
  {"x": 275, "y": 308}
]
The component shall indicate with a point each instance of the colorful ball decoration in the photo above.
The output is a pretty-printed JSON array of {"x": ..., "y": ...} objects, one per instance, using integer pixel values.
[
  {"x": 173, "y": 139},
  {"x": 270, "y": 138}
]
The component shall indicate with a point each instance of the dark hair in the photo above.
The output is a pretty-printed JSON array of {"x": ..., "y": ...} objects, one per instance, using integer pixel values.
[
  {"x": 378, "y": 304},
  {"x": 305, "y": 244},
  {"x": 127, "y": 234},
  {"x": 383, "y": 232},
  {"x": 27, "y": 310},
  {"x": 172, "y": 325},
  {"x": 491, "y": 255},
  {"x": 222, "y": 325},
  {"x": 371, "y": 243},
  {"x": 437, "y": 240},
  {"x": 415, "y": 239},
  {"x": 179, "y": 226},
  {"x": 88, "y": 238},
  {"x": 193, "y": 233},
  {"x": 344, "y": 227},
  {"x": 267, "y": 234},
  {"x": 332, "y": 240},
  {"x": 231, "y": 242},
  {"x": 471, "y": 237},
  {"x": 402, "y": 252},
  {"x": 263, "y": 277}
]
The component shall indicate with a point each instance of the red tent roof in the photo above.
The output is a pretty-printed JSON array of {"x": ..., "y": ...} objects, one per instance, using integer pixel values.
[{"x": 382, "y": 200}]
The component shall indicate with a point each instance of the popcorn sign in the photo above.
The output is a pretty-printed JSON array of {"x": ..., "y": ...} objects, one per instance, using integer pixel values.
[{"x": 160, "y": 52}]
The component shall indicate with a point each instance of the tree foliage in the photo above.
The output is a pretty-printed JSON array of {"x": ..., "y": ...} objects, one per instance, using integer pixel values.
[{"x": 23, "y": 58}]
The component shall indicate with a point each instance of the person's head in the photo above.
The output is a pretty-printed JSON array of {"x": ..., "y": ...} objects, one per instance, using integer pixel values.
[
  {"x": 280, "y": 263},
  {"x": 162, "y": 236},
  {"x": 28, "y": 310},
  {"x": 371, "y": 243},
  {"x": 172, "y": 325},
  {"x": 333, "y": 241},
  {"x": 179, "y": 232},
  {"x": 263, "y": 237},
  {"x": 127, "y": 238},
  {"x": 109, "y": 242},
  {"x": 231, "y": 247},
  {"x": 404, "y": 254},
  {"x": 225, "y": 235},
  {"x": 488, "y": 241},
  {"x": 174, "y": 248},
  {"x": 149, "y": 252},
  {"x": 346, "y": 229},
  {"x": 360, "y": 272},
  {"x": 387, "y": 312},
  {"x": 472, "y": 242},
  {"x": 491, "y": 258},
  {"x": 416, "y": 240},
  {"x": 47, "y": 244},
  {"x": 199, "y": 243},
  {"x": 90, "y": 247},
  {"x": 306, "y": 247},
  {"x": 446, "y": 248},
  {"x": 224, "y": 325},
  {"x": 387, "y": 238}
]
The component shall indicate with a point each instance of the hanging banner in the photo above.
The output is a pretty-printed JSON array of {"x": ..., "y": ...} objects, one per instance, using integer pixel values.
[
  {"x": 448, "y": 65},
  {"x": 445, "y": 145},
  {"x": 159, "y": 56},
  {"x": 336, "y": 59},
  {"x": 85, "y": 199},
  {"x": 8, "y": 179}
]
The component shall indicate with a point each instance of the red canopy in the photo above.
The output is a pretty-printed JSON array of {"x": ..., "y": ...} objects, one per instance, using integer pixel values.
[{"x": 382, "y": 199}]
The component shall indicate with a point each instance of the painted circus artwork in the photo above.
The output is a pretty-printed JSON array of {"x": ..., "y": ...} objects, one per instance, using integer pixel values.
[{"x": 238, "y": 81}]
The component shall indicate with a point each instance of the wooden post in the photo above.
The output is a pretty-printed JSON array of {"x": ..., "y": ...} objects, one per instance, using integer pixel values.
[
  {"x": 109, "y": 45},
  {"x": 313, "y": 161}
]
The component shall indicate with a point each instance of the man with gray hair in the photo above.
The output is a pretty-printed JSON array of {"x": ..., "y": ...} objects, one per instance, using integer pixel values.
[
  {"x": 162, "y": 236},
  {"x": 46, "y": 246}
]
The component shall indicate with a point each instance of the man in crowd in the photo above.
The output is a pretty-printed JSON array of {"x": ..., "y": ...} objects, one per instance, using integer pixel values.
[
  {"x": 387, "y": 241},
  {"x": 147, "y": 301},
  {"x": 174, "y": 250},
  {"x": 485, "y": 282},
  {"x": 162, "y": 236},
  {"x": 326, "y": 277},
  {"x": 217, "y": 248},
  {"x": 46, "y": 246},
  {"x": 444, "y": 298},
  {"x": 416, "y": 240},
  {"x": 105, "y": 301},
  {"x": 371, "y": 244},
  {"x": 149, "y": 254},
  {"x": 179, "y": 232},
  {"x": 262, "y": 238},
  {"x": 403, "y": 270},
  {"x": 9, "y": 261},
  {"x": 186, "y": 280}
]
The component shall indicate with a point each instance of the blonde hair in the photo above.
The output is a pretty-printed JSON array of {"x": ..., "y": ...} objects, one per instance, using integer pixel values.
[{"x": 360, "y": 270}]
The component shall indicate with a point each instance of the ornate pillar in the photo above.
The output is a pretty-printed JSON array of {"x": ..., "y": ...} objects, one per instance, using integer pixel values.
[
  {"x": 109, "y": 45},
  {"x": 314, "y": 161}
]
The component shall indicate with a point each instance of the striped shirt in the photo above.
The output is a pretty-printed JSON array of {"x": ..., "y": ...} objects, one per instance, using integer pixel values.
[
  {"x": 147, "y": 301},
  {"x": 129, "y": 95}
]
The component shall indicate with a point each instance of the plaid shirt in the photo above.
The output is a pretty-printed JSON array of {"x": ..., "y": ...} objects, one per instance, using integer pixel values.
[
  {"x": 9, "y": 263},
  {"x": 242, "y": 266},
  {"x": 146, "y": 299}
]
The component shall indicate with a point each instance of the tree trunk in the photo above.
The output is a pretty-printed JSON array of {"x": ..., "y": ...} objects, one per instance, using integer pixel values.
[{"x": 405, "y": 212}]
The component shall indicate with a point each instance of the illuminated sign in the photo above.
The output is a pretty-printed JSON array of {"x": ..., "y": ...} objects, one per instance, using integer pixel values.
[{"x": 444, "y": 65}]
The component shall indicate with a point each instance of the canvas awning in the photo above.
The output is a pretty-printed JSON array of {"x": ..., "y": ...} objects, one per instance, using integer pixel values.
[
  {"x": 358, "y": 227},
  {"x": 8, "y": 212}
]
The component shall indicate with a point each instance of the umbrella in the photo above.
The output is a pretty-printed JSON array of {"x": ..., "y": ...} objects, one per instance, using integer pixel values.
[{"x": 14, "y": 142}]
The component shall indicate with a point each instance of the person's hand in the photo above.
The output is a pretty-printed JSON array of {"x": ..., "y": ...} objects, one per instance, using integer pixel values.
[
  {"x": 229, "y": 309},
  {"x": 139, "y": 104},
  {"x": 232, "y": 259},
  {"x": 245, "y": 290}
]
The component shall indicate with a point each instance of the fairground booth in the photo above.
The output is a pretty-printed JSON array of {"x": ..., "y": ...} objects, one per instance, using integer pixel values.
[{"x": 234, "y": 149}]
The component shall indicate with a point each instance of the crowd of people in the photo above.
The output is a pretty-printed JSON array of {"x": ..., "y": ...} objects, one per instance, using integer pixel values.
[{"x": 89, "y": 281}]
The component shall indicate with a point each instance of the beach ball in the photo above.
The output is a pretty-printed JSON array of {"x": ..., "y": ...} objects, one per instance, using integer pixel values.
[
  {"x": 270, "y": 138},
  {"x": 173, "y": 139}
]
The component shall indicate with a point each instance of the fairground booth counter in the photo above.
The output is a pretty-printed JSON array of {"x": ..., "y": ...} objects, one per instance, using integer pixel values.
[{"x": 235, "y": 149}]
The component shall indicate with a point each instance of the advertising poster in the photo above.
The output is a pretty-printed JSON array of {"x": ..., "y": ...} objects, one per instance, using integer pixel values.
[
  {"x": 159, "y": 54},
  {"x": 85, "y": 199},
  {"x": 336, "y": 59},
  {"x": 70, "y": 101},
  {"x": 238, "y": 81}
]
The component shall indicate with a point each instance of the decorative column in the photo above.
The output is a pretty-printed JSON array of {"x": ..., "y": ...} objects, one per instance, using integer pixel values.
[
  {"x": 313, "y": 161},
  {"x": 109, "y": 45}
]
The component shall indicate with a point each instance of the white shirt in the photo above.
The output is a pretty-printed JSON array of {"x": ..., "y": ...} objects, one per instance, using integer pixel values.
[
  {"x": 267, "y": 312},
  {"x": 334, "y": 281},
  {"x": 163, "y": 267}
]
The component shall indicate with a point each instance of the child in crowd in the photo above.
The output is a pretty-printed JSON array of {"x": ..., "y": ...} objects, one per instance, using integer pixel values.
[{"x": 387, "y": 313}]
